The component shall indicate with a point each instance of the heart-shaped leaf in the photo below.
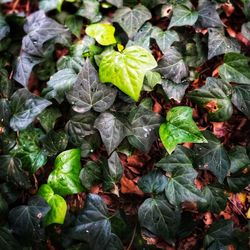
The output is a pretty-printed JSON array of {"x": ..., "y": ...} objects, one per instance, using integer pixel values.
[
  {"x": 102, "y": 32},
  {"x": 132, "y": 19},
  {"x": 57, "y": 204},
  {"x": 126, "y": 70},
  {"x": 64, "y": 179},
  {"x": 89, "y": 93},
  {"x": 179, "y": 128},
  {"x": 215, "y": 97}
]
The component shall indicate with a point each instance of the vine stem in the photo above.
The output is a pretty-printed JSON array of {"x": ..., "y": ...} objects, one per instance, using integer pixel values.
[{"x": 132, "y": 239}]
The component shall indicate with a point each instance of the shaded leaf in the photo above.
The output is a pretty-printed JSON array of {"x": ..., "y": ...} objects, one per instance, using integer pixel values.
[
  {"x": 172, "y": 66},
  {"x": 102, "y": 32},
  {"x": 160, "y": 218},
  {"x": 132, "y": 19},
  {"x": 89, "y": 93},
  {"x": 48, "y": 5},
  {"x": 90, "y": 10},
  {"x": 57, "y": 204},
  {"x": 215, "y": 97},
  {"x": 245, "y": 30},
  {"x": 182, "y": 15},
  {"x": 25, "y": 107},
  {"x": 112, "y": 130},
  {"x": 219, "y": 44},
  {"x": 25, "y": 220},
  {"x": 235, "y": 68},
  {"x": 144, "y": 125},
  {"x": 74, "y": 23},
  {"x": 212, "y": 156},
  {"x": 4, "y": 27},
  {"x": 238, "y": 181},
  {"x": 179, "y": 128},
  {"x": 153, "y": 182},
  {"x": 64, "y": 179},
  {"x": 126, "y": 70},
  {"x": 7, "y": 240}
]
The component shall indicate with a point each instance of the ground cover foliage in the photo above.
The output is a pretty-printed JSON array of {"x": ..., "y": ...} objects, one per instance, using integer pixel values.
[{"x": 124, "y": 124}]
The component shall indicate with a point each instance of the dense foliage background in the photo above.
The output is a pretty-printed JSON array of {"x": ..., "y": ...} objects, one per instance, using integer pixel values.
[{"x": 124, "y": 124}]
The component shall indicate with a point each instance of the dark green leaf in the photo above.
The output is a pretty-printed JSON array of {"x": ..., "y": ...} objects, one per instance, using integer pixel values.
[
  {"x": 180, "y": 157},
  {"x": 219, "y": 44},
  {"x": 235, "y": 68},
  {"x": 241, "y": 98},
  {"x": 159, "y": 218},
  {"x": 54, "y": 142},
  {"x": 3, "y": 209},
  {"x": 220, "y": 233},
  {"x": 25, "y": 108},
  {"x": 48, "y": 118},
  {"x": 29, "y": 151},
  {"x": 208, "y": 16},
  {"x": 26, "y": 220},
  {"x": 215, "y": 97},
  {"x": 11, "y": 171},
  {"x": 153, "y": 182},
  {"x": 89, "y": 93},
  {"x": 90, "y": 174},
  {"x": 174, "y": 90},
  {"x": 74, "y": 23},
  {"x": 144, "y": 124},
  {"x": 182, "y": 15},
  {"x": 132, "y": 19},
  {"x": 238, "y": 181},
  {"x": 112, "y": 130},
  {"x": 239, "y": 159},
  {"x": 4, "y": 27},
  {"x": 5, "y": 112},
  {"x": 57, "y": 204},
  {"x": 112, "y": 171},
  {"x": 180, "y": 186},
  {"x": 7, "y": 240},
  {"x": 172, "y": 66},
  {"x": 216, "y": 200},
  {"x": 6, "y": 86},
  {"x": 212, "y": 156},
  {"x": 178, "y": 128},
  {"x": 64, "y": 179}
]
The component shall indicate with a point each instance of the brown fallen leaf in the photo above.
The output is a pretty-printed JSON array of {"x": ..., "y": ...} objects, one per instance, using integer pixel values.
[
  {"x": 208, "y": 219},
  {"x": 129, "y": 187}
]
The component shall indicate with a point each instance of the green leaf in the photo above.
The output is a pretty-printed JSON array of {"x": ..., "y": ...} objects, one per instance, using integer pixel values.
[
  {"x": 102, "y": 32},
  {"x": 48, "y": 118},
  {"x": 64, "y": 179},
  {"x": 29, "y": 151},
  {"x": 238, "y": 181},
  {"x": 4, "y": 27},
  {"x": 172, "y": 66},
  {"x": 112, "y": 130},
  {"x": 235, "y": 68},
  {"x": 92, "y": 225},
  {"x": 180, "y": 157},
  {"x": 90, "y": 174},
  {"x": 245, "y": 30},
  {"x": 61, "y": 82},
  {"x": 54, "y": 142},
  {"x": 74, "y": 23},
  {"x": 216, "y": 200},
  {"x": 238, "y": 158},
  {"x": 112, "y": 171},
  {"x": 151, "y": 79},
  {"x": 132, "y": 19},
  {"x": 126, "y": 70},
  {"x": 116, "y": 3},
  {"x": 160, "y": 218},
  {"x": 153, "y": 182},
  {"x": 182, "y": 15},
  {"x": 79, "y": 126},
  {"x": 3, "y": 210},
  {"x": 48, "y": 5},
  {"x": 164, "y": 39},
  {"x": 179, "y": 128},
  {"x": 215, "y": 97},
  {"x": 180, "y": 186},
  {"x": 174, "y": 90},
  {"x": 212, "y": 156},
  {"x": 208, "y": 16},
  {"x": 144, "y": 125},
  {"x": 25, "y": 107},
  {"x": 7, "y": 240},
  {"x": 57, "y": 204},
  {"x": 26, "y": 220},
  {"x": 219, "y": 233},
  {"x": 241, "y": 98},
  {"x": 12, "y": 172},
  {"x": 219, "y": 44},
  {"x": 89, "y": 93},
  {"x": 90, "y": 10},
  {"x": 6, "y": 86}
]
